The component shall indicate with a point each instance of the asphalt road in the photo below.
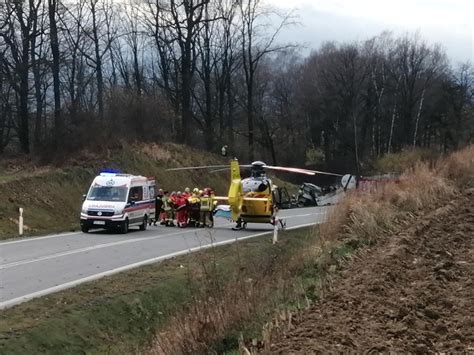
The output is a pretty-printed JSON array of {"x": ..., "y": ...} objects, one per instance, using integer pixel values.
[{"x": 34, "y": 267}]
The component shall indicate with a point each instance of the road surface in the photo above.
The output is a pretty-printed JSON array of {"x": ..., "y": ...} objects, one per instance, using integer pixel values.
[{"x": 33, "y": 267}]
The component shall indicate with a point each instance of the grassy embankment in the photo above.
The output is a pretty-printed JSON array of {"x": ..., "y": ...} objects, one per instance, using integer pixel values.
[
  {"x": 121, "y": 314},
  {"x": 216, "y": 299},
  {"x": 364, "y": 219},
  {"x": 52, "y": 196}
]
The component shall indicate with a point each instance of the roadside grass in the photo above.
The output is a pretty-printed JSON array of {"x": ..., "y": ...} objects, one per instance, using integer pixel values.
[
  {"x": 11, "y": 169},
  {"x": 458, "y": 167},
  {"x": 404, "y": 160},
  {"x": 122, "y": 313},
  {"x": 230, "y": 308},
  {"x": 228, "y": 314},
  {"x": 50, "y": 201},
  {"x": 364, "y": 219}
]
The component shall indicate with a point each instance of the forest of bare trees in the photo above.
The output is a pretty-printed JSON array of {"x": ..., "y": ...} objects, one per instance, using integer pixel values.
[{"x": 85, "y": 73}]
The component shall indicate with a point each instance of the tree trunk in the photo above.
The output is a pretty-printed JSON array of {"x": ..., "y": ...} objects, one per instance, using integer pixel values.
[
  {"x": 38, "y": 92},
  {"x": 186, "y": 113},
  {"x": 98, "y": 61},
  {"x": 356, "y": 149},
  {"x": 230, "y": 115},
  {"x": 58, "y": 126},
  {"x": 208, "y": 117},
  {"x": 250, "y": 125},
  {"x": 418, "y": 115},
  {"x": 23, "y": 115},
  {"x": 392, "y": 124}
]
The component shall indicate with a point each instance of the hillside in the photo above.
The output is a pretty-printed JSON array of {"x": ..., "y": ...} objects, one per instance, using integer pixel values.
[
  {"x": 51, "y": 196},
  {"x": 403, "y": 282},
  {"x": 410, "y": 294}
]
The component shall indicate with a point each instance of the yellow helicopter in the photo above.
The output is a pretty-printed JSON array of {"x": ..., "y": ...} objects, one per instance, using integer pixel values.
[{"x": 251, "y": 200}]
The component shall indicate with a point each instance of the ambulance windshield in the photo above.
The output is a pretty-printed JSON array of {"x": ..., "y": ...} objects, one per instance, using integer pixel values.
[{"x": 108, "y": 193}]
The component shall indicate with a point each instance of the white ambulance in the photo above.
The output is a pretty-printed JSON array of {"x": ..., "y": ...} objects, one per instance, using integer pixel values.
[{"x": 118, "y": 201}]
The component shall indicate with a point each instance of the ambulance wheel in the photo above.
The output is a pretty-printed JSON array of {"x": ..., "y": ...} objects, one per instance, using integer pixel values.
[
  {"x": 85, "y": 229},
  {"x": 144, "y": 224},
  {"x": 124, "y": 227}
]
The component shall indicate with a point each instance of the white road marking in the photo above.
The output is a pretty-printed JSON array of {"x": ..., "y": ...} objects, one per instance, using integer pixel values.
[
  {"x": 24, "y": 298},
  {"x": 34, "y": 239},
  {"x": 98, "y": 246},
  {"x": 112, "y": 244}
]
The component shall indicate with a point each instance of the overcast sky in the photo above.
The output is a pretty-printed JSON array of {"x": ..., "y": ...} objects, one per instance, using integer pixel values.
[{"x": 448, "y": 22}]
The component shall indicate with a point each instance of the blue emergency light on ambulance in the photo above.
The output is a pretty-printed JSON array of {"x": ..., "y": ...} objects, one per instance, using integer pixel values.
[{"x": 118, "y": 201}]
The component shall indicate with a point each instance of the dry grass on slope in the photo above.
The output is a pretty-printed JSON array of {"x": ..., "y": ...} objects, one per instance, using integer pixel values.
[
  {"x": 459, "y": 167},
  {"x": 364, "y": 216}
]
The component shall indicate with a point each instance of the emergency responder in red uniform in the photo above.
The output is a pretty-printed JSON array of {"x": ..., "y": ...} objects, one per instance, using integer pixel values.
[
  {"x": 181, "y": 210},
  {"x": 187, "y": 193}
]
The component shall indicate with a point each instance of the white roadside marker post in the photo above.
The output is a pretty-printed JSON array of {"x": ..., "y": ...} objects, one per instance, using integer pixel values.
[
  {"x": 20, "y": 221},
  {"x": 275, "y": 230}
]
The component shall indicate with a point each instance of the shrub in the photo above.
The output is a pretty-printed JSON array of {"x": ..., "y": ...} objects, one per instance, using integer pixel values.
[
  {"x": 404, "y": 160},
  {"x": 314, "y": 156}
]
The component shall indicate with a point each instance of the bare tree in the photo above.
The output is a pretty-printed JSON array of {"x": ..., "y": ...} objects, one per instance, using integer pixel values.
[
  {"x": 102, "y": 34},
  {"x": 225, "y": 67},
  {"x": 16, "y": 32},
  {"x": 186, "y": 20},
  {"x": 256, "y": 44},
  {"x": 38, "y": 58},
  {"x": 167, "y": 64},
  {"x": 53, "y": 35}
]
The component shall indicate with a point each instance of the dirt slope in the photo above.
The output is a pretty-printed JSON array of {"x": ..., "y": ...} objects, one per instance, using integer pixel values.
[{"x": 413, "y": 292}]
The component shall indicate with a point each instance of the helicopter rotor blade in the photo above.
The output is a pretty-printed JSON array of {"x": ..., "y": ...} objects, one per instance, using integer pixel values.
[
  {"x": 291, "y": 170},
  {"x": 199, "y": 167},
  {"x": 324, "y": 173},
  {"x": 219, "y": 168},
  {"x": 299, "y": 170},
  {"x": 228, "y": 168}
]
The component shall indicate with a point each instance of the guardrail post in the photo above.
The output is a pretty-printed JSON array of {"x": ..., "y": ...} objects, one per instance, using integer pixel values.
[{"x": 20, "y": 221}]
